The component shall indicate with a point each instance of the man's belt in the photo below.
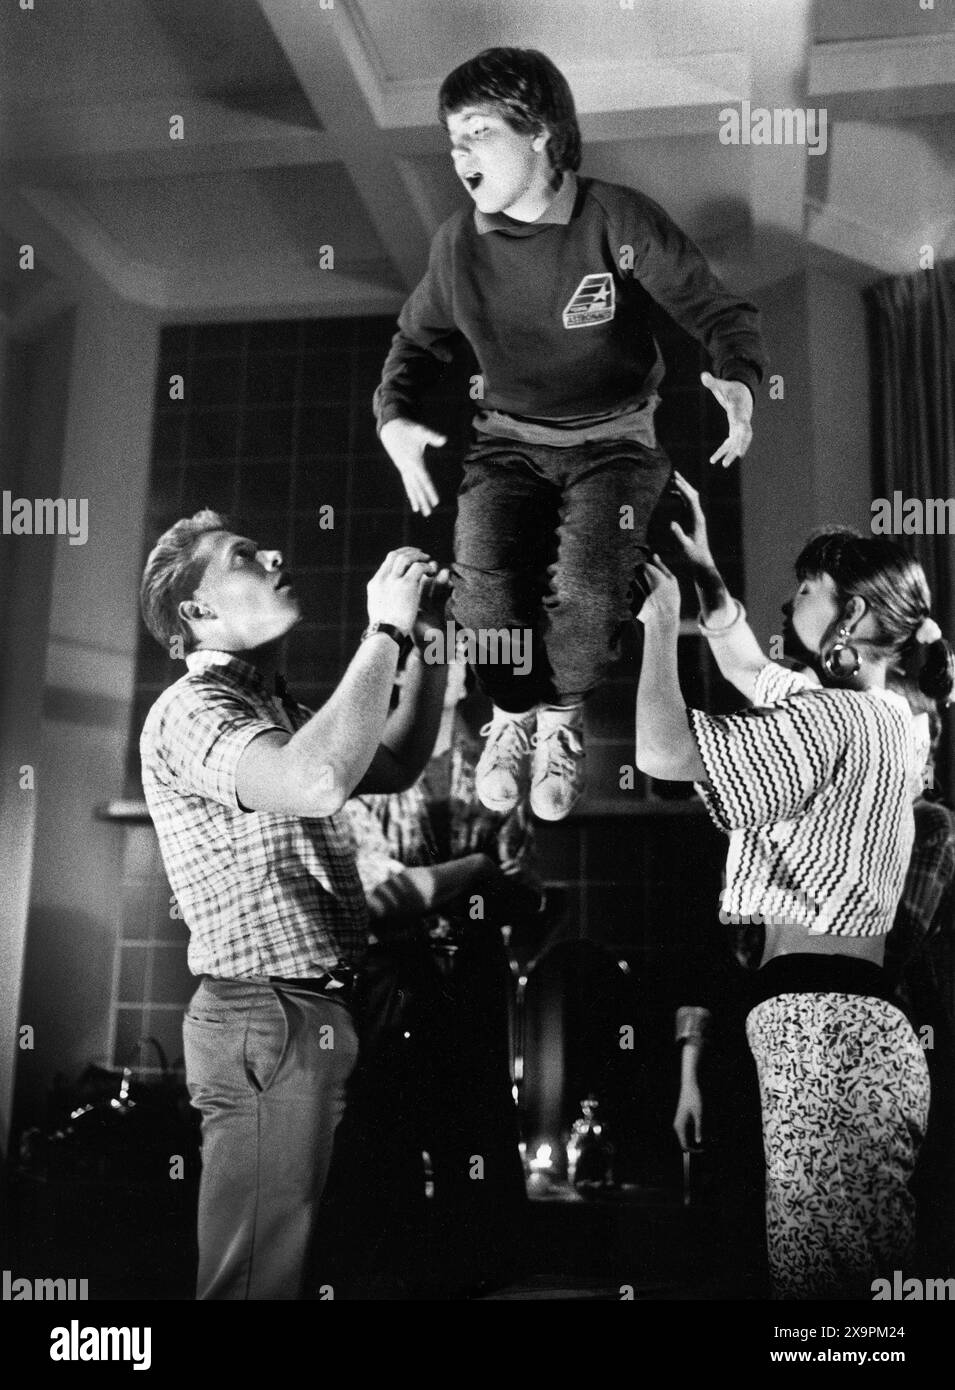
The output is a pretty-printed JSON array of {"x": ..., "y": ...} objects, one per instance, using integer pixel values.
[{"x": 334, "y": 983}]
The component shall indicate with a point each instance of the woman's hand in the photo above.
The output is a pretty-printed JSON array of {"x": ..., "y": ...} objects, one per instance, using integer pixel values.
[
  {"x": 688, "y": 1120},
  {"x": 661, "y": 608},
  {"x": 696, "y": 547}
]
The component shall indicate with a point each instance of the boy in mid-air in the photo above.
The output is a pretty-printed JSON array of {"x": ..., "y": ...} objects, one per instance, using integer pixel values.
[{"x": 547, "y": 279}]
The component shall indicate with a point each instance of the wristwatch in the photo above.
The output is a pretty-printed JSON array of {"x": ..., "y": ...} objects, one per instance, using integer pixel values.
[{"x": 401, "y": 638}]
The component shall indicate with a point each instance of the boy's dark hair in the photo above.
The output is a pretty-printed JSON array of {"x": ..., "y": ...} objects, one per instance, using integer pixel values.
[
  {"x": 528, "y": 90},
  {"x": 173, "y": 571}
]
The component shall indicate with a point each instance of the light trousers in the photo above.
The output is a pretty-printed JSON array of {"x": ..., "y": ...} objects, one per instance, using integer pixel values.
[{"x": 267, "y": 1067}]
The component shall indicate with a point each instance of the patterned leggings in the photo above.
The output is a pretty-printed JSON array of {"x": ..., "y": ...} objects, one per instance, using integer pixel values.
[{"x": 845, "y": 1094}]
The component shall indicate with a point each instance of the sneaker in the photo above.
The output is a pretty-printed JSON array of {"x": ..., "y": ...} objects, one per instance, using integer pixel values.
[
  {"x": 501, "y": 776},
  {"x": 558, "y": 778}
]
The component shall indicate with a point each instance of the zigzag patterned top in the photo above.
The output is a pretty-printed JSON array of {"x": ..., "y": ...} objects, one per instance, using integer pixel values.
[{"x": 815, "y": 789}]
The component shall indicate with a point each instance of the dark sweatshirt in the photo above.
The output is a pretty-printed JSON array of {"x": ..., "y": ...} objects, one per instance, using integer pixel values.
[{"x": 558, "y": 327}]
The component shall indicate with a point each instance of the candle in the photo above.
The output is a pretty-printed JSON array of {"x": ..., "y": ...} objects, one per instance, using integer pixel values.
[
  {"x": 542, "y": 1159},
  {"x": 541, "y": 1165}
]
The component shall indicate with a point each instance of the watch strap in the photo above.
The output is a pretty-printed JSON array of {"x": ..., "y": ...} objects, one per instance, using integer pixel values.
[{"x": 402, "y": 639}]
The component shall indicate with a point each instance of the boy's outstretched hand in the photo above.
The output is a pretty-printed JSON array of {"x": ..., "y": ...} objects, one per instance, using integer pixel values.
[
  {"x": 405, "y": 441},
  {"x": 736, "y": 400}
]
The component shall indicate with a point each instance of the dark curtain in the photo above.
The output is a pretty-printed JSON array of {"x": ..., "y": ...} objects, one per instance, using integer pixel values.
[{"x": 912, "y": 328}]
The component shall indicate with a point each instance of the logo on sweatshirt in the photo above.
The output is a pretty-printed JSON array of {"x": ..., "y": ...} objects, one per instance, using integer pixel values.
[{"x": 591, "y": 302}]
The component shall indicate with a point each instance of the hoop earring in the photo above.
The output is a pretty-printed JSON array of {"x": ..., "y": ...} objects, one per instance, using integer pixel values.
[{"x": 832, "y": 660}]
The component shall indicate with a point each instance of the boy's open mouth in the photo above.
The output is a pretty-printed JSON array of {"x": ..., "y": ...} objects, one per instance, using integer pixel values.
[{"x": 473, "y": 180}]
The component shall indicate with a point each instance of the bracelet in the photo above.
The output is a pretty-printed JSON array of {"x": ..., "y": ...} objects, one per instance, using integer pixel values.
[{"x": 713, "y": 632}]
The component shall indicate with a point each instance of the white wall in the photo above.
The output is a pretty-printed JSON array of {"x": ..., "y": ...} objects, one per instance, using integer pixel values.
[
  {"x": 810, "y": 461},
  {"x": 35, "y": 391},
  {"x": 87, "y": 696}
]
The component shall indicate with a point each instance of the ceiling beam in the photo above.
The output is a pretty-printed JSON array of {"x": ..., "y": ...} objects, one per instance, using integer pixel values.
[
  {"x": 268, "y": 291},
  {"x": 600, "y": 126},
  {"x": 131, "y": 140},
  {"x": 131, "y": 279},
  {"x": 315, "y": 42},
  {"x": 864, "y": 66},
  {"x": 885, "y": 79},
  {"x": 697, "y": 79},
  {"x": 54, "y": 251},
  {"x": 779, "y": 174},
  {"x": 253, "y": 283}
]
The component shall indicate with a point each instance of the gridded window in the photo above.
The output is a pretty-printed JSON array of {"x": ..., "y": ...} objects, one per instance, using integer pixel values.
[
  {"x": 274, "y": 427},
  {"x": 272, "y": 424}
]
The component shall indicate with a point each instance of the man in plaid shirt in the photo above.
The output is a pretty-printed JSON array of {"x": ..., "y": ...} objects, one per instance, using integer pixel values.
[{"x": 246, "y": 789}]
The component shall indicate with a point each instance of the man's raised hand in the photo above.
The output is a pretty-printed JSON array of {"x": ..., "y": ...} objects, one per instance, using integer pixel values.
[
  {"x": 394, "y": 592},
  {"x": 406, "y": 441}
]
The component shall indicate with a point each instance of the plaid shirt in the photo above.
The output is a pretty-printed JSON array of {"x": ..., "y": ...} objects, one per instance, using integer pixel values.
[{"x": 261, "y": 893}]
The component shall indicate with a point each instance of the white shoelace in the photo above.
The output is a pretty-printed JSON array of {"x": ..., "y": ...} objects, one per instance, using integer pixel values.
[
  {"x": 511, "y": 745},
  {"x": 564, "y": 746}
]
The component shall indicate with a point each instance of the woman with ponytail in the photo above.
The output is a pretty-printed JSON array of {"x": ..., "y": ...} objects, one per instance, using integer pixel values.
[{"x": 814, "y": 786}]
